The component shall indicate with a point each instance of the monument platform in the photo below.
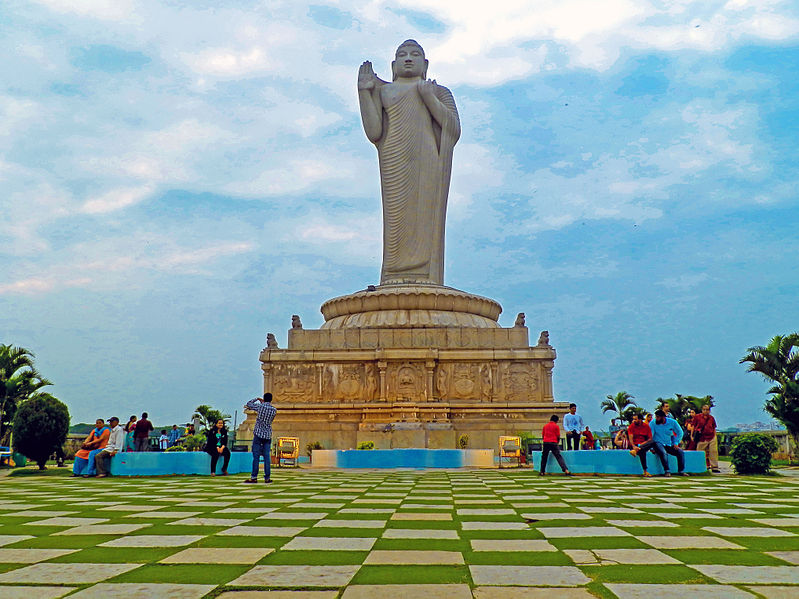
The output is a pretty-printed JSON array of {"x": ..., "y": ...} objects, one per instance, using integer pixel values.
[{"x": 408, "y": 366}]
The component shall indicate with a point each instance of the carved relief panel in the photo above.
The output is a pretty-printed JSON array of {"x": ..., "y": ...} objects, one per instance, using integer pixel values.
[
  {"x": 519, "y": 381},
  {"x": 293, "y": 382},
  {"x": 406, "y": 382}
]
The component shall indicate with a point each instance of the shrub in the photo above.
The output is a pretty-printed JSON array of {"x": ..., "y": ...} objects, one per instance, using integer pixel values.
[
  {"x": 194, "y": 442},
  {"x": 311, "y": 446},
  {"x": 751, "y": 453},
  {"x": 176, "y": 448},
  {"x": 366, "y": 445},
  {"x": 463, "y": 441},
  {"x": 40, "y": 425}
]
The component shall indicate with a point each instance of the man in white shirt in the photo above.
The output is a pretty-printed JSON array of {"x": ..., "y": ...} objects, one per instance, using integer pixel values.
[
  {"x": 573, "y": 424},
  {"x": 115, "y": 444}
]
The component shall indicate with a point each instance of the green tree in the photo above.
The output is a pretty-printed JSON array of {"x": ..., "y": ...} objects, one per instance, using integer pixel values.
[
  {"x": 208, "y": 416},
  {"x": 40, "y": 425},
  {"x": 19, "y": 381},
  {"x": 622, "y": 403},
  {"x": 778, "y": 362},
  {"x": 679, "y": 405}
]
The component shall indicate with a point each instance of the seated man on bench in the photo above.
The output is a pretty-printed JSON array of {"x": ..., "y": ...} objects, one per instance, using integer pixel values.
[{"x": 115, "y": 444}]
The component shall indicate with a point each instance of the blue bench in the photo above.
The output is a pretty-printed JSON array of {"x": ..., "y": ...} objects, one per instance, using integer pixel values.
[
  {"x": 154, "y": 463},
  {"x": 618, "y": 461}
]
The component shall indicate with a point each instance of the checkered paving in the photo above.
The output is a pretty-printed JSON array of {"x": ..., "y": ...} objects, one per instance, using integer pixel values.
[{"x": 458, "y": 533}]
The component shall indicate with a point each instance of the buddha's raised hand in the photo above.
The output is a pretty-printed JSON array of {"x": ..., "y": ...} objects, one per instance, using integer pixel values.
[{"x": 366, "y": 76}]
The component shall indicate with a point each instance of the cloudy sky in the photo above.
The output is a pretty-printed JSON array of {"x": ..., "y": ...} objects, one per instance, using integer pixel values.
[{"x": 177, "y": 179}]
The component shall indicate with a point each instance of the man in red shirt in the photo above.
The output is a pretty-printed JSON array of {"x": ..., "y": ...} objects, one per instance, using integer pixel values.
[
  {"x": 639, "y": 432},
  {"x": 551, "y": 438},
  {"x": 705, "y": 425}
]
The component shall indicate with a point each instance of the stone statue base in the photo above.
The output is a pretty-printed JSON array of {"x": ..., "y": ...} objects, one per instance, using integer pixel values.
[{"x": 408, "y": 366}]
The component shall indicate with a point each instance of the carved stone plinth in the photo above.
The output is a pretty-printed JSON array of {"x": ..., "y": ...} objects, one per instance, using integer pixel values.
[{"x": 412, "y": 381}]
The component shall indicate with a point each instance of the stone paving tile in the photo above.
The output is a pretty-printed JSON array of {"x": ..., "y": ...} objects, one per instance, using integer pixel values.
[
  {"x": 31, "y": 556},
  {"x": 421, "y": 558},
  {"x": 703, "y": 542},
  {"x": 66, "y": 521},
  {"x": 776, "y": 592},
  {"x": 65, "y": 573},
  {"x": 606, "y": 557},
  {"x": 294, "y": 516},
  {"x": 610, "y": 510},
  {"x": 262, "y": 531},
  {"x": 414, "y": 533},
  {"x": 669, "y": 591},
  {"x": 161, "y": 515},
  {"x": 556, "y": 516},
  {"x": 511, "y": 545},
  {"x": 316, "y": 505},
  {"x": 420, "y": 516},
  {"x": 329, "y": 544},
  {"x": 495, "y": 526},
  {"x": 221, "y": 555},
  {"x": 38, "y": 514},
  {"x": 245, "y": 510},
  {"x": 787, "y": 522},
  {"x": 125, "y": 590},
  {"x": 747, "y": 531},
  {"x": 376, "y": 524},
  {"x": 643, "y": 523},
  {"x": 486, "y": 512},
  {"x": 208, "y": 522},
  {"x": 279, "y": 595},
  {"x": 365, "y": 510},
  {"x": 528, "y": 575},
  {"x": 297, "y": 576},
  {"x": 153, "y": 541},
  {"x": 102, "y": 529},
  {"x": 24, "y": 592},
  {"x": 10, "y": 539},
  {"x": 530, "y": 593},
  {"x": 792, "y": 557},
  {"x": 690, "y": 516},
  {"x": 126, "y": 507},
  {"x": 750, "y": 574},
  {"x": 565, "y": 532}
]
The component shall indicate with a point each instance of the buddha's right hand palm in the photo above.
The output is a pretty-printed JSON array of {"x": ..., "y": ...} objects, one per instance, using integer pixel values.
[{"x": 366, "y": 76}]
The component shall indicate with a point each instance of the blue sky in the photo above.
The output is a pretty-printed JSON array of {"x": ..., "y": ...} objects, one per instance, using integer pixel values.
[{"x": 177, "y": 179}]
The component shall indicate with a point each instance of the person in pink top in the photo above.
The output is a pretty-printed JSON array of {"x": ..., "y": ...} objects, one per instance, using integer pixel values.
[{"x": 551, "y": 439}]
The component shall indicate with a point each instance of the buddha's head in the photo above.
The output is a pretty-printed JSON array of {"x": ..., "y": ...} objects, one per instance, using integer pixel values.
[{"x": 409, "y": 61}]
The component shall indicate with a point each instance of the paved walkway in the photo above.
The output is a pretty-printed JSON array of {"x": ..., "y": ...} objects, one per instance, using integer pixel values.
[{"x": 431, "y": 534}]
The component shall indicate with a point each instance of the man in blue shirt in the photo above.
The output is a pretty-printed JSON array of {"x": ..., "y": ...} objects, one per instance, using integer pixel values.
[
  {"x": 174, "y": 435},
  {"x": 666, "y": 433},
  {"x": 573, "y": 425},
  {"x": 261, "y": 435}
]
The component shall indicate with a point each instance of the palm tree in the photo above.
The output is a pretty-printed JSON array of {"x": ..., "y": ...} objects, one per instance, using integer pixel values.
[
  {"x": 681, "y": 404},
  {"x": 622, "y": 403},
  {"x": 779, "y": 362},
  {"x": 19, "y": 381}
]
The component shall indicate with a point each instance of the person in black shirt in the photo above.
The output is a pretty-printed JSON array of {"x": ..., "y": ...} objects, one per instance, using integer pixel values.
[{"x": 216, "y": 445}]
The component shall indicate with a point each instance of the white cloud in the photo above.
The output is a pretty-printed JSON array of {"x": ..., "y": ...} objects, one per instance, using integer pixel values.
[
  {"x": 111, "y": 10},
  {"x": 116, "y": 199}
]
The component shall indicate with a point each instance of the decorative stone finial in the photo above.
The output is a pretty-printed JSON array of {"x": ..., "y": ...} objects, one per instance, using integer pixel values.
[
  {"x": 519, "y": 320},
  {"x": 271, "y": 342},
  {"x": 543, "y": 339},
  {"x": 296, "y": 323}
]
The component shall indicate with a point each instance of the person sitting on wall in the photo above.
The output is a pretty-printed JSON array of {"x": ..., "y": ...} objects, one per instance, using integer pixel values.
[
  {"x": 621, "y": 440},
  {"x": 573, "y": 423},
  {"x": 666, "y": 434},
  {"x": 551, "y": 444},
  {"x": 639, "y": 433},
  {"x": 216, "y": 446},
  {"x": 588, "y": 443},
  {"x": 84, "y": 459},
  {"x": 116, "y": 443}
]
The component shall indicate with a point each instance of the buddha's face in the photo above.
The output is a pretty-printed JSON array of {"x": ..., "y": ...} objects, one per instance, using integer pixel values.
[{"x": 409, "y": 62}]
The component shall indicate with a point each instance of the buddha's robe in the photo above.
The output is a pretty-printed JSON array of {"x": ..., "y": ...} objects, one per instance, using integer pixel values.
[{"x": 415, "y": 154}]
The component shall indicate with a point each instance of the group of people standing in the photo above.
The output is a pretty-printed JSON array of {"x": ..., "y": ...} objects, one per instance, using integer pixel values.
[{"x": 662, "y": 437}]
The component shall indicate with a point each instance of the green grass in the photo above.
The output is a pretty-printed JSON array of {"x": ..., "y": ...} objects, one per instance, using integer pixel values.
[
  {"x": 660, "y": 574},
  {"x": 183, "y": 573}
]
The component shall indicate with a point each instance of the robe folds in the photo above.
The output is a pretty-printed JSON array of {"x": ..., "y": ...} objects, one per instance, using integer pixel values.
[{"x": 415, "y": 155}]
